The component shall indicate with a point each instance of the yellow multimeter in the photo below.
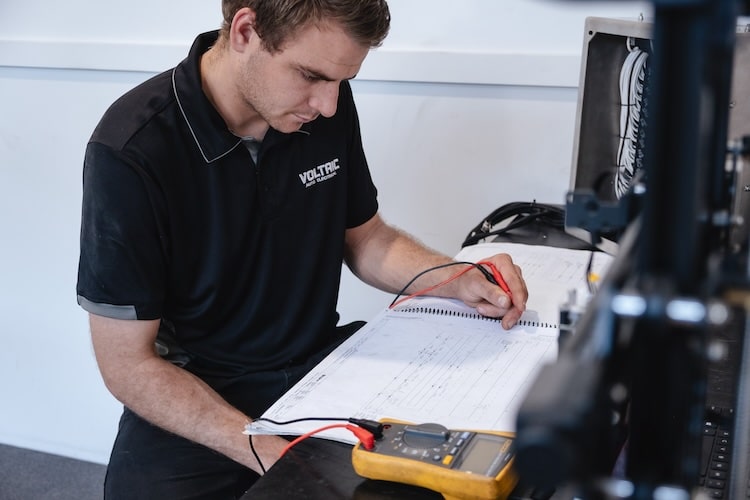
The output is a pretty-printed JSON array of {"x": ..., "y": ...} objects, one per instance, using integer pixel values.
[{"x": 459, "y": 464}]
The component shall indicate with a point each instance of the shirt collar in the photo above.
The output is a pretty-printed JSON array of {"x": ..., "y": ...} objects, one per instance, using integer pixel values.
[
  {"x": 208, "y": 128},
  {"x": 210, "y": 132}
]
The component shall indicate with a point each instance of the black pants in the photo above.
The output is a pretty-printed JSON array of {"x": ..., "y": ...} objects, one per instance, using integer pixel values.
[{"x": 148, "y": 462}]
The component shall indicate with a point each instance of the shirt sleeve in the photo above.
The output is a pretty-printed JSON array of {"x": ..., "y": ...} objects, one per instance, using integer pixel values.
[{"x": 122, "y": 265}]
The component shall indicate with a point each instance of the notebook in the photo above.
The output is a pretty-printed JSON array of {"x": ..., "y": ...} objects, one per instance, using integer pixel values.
[{"x": 436, "y": 360}]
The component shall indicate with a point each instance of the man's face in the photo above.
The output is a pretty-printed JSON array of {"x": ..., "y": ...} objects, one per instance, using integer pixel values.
[{"x": 301, "y": 82}]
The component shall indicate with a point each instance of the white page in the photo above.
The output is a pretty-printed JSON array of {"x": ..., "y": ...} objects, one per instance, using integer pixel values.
[{"x": 462, "y": 373}]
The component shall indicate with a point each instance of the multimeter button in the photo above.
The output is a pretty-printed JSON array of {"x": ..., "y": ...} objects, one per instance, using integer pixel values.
[
  {"x": 465, "y": 435},
  {"x": 460, "y": 442},
  {"x": 436, "y": 458},
  {"x": 454, "y": 451},
  {"x": 447, "y": 459}
]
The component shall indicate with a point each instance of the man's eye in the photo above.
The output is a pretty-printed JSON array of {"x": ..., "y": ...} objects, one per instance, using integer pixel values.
[{"x": 309, "y": 76}]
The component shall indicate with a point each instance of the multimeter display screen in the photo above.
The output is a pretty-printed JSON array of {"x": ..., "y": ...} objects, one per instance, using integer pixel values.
[{"x": 486, "y": 455}]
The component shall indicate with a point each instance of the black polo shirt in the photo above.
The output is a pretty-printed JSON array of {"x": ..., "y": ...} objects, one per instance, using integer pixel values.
[{"x": 241, "y": 260}]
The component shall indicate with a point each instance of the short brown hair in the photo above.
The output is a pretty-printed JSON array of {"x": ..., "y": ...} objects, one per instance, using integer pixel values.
[{"x": 367, "y": 21}]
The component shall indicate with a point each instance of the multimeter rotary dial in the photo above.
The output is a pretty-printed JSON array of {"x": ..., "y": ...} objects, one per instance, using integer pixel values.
[{"x": 425, "y": 435}]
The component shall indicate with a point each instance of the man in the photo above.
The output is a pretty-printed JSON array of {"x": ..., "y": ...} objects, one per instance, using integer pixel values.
[{"x": 220, "y": 200}]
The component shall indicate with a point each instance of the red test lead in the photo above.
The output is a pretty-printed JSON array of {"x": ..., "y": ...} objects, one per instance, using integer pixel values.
[
  {"x": 365, "y": 436},
  {"x": 498, "y": 277}
]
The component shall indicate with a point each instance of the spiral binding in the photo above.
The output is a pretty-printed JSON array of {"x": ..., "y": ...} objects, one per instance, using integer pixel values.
[{"x": 463, "y": 314}]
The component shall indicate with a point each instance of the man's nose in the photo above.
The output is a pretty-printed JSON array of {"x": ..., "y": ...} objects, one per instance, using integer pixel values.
[{"x": 325, "y": 99}]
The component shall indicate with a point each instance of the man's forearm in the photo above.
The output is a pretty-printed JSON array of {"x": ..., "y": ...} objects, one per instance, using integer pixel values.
[
  {"x": 181, "y": 403},
  {"x": 170, "y": 397},
  {"x": 386, "y": 257}
]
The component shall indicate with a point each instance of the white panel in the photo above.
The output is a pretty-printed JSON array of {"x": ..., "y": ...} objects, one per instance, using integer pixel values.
[{"x": 557, "y": 70}]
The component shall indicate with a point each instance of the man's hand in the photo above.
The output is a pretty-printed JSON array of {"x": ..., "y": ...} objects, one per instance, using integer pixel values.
[{"x": 489, "y": 298}]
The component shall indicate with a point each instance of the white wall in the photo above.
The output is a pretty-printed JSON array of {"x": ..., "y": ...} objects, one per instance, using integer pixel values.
[{"x": 463, "y": 109}]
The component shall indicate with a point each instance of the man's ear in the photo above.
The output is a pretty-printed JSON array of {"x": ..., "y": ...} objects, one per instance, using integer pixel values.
[{"x": 242, "y": 31}]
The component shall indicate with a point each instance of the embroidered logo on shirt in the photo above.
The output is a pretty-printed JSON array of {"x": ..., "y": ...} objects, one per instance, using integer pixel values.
[{"x": 320, "y": 173}]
